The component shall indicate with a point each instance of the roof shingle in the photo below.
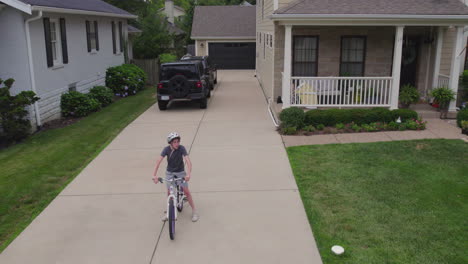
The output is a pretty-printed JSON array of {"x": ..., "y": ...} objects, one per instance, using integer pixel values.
[
  {"x": 224, "y": 21},
  {"x": 383, "y": 7},
  {"x": 87, "y": 5}
]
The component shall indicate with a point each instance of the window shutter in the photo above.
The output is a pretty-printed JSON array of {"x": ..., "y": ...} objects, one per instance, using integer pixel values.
[
  {"x": 48, "y": 42},
  {"x": 96, "y": 34},
  {"x": 87, "y": 35},
  {"x": 63, "y": 37},
  {"x": 114, "y": 48},
  {"x": 121, "y": 37}
]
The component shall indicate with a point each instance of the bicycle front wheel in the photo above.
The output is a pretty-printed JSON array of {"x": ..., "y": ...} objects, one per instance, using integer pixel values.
[
  {"x": 171, "y": 219},
  {"x": 180, "y": 202}
]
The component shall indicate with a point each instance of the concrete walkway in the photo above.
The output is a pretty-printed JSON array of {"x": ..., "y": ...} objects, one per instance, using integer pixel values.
[{"x": 248, "y": 201}]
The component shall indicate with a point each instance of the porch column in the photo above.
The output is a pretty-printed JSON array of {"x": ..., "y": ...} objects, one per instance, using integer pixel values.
[
  {"x": 455, "y": 66},
  {"x": 286, "y": 97},
  {"x": 440, "y": 41},
  {"x": 397, "y": 54}
]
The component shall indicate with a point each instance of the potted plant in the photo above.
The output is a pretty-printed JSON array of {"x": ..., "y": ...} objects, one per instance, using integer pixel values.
[
  {"x": 408, "y": 95},
  {"x": 464, "y": 127},
  {"x": 443, "y": 96}
]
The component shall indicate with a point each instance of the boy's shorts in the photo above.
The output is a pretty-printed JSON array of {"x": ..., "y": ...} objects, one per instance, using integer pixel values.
[{"x": 179, "y": 175}]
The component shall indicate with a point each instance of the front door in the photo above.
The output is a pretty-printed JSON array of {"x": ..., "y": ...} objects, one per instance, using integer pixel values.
[{"x": 409, "y": 61}]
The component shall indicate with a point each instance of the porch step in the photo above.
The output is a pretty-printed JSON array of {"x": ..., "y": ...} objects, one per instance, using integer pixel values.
[{"x": 425, "y": 111}]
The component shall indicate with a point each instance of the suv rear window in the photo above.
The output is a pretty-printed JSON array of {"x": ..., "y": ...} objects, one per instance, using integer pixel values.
[{"x": 189, "y": 71}]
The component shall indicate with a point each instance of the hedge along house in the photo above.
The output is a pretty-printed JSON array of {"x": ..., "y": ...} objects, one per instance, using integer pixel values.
[
  {"x": 226, "y": 34},
  {"x": 357, "y": 53},
  {"x": 52, "y": 47}
]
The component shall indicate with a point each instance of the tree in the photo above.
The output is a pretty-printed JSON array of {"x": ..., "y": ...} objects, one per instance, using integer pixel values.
[{"x": 154, "y": 38}]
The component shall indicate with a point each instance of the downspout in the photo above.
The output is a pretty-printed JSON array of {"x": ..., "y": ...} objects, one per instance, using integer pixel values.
[
  {"x": 428, "y": 65},
  {"x": 31, "y": 67}
]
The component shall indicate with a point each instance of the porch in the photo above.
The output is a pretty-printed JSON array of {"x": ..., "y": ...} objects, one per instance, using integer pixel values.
[{"x": 325, "y": 66}]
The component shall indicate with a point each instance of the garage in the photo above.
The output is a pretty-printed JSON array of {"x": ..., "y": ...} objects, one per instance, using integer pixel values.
[
  {"x": 232, "y": 55},
  {"x": 227, "y": 34}
]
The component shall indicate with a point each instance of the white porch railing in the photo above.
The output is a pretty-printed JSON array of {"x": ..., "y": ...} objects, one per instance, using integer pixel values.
[
  {"x": 341, "y": 91},
  {"x": 443, "y": 81}
]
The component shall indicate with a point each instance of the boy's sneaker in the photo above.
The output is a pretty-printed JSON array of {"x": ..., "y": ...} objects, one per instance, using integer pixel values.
[{"x": 195, "y": 217}]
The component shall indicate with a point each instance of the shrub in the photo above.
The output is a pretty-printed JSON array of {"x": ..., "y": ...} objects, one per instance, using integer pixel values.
[
  {"x": 461, "y": 116},
  {"x": 292, "y": 117},
  {"x": 393, "y": 126},
  {"x": 289, "y": 130},
  {"x": 320, "y": 126},
  {"x": 332, "y": 117},
  {"x": 369, "y": 127},
  {"x": 309, "y": 128},
  {"x": 102, "y": 94},
  {"x": 411, "y": 125},
  {"x": 408, "y": 95},
  {"x": 13, "y": 123},
  {"x": 77, "y": 104},
  {"x": 464, "y": 124},
  {"x": 126, "y": 79},
  {"x": 404, "y": 114},
  {"x": 340, "y": 126},
  {"x": 356, "y": 128},
  {"x": 167, "y": 57}
]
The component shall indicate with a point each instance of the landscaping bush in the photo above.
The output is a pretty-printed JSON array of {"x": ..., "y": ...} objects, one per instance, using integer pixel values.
[
  {"x": 167, "y": 57},
  {"x": 125, "y": 80},
  {"x": 292, "y": 117},
  {"x": 309, "y": 128},
  {"x": 404, "y": 114},
  {"x": 289, "y": 130},
  {"x": 461, "y": 116},
  {"x": 76, "y": 104},
  {"x": 408, "y": 95},
  {"x": 102, "y": 94},
  {"x": 320, "y": 126},
  {"x": 13, "y": 123},
  {"x": 332, "y": 117}
]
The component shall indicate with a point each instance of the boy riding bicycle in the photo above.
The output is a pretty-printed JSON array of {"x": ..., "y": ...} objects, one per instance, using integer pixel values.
[{"x": 176, "y": 154}]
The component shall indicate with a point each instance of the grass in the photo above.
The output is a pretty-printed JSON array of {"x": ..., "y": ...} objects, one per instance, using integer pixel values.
[
  {"x": 390, "y": 202},
  {"x": 34, "y": 172}
]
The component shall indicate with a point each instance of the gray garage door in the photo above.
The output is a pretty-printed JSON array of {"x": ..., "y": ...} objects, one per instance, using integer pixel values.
[{"x": 233, "y": 55}]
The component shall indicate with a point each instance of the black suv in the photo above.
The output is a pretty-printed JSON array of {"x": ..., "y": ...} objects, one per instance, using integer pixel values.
[
  {"x": 183, "y": 81},
  {"x": 208, "y": 67}
]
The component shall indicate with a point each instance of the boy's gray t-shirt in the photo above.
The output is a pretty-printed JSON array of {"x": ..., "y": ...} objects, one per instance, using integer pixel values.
[{"x": 175, "y": 160}]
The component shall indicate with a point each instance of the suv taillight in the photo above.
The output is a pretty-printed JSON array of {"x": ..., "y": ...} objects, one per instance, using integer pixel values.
[
  {"x": 160, "y": 85},
  {"x": 199, "y": 85}
]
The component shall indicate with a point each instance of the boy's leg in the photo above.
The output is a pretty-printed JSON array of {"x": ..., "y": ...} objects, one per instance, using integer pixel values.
[{"x": 189, "y": 197}]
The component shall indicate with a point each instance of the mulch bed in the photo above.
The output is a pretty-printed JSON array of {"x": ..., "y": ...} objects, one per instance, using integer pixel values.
[{"x": 59, "y": 123}]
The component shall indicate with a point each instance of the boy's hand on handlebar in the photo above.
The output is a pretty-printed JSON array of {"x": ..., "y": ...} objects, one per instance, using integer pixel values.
[
  {"x": 187, "y": 178},
  {"x": 155, "y": 180}
]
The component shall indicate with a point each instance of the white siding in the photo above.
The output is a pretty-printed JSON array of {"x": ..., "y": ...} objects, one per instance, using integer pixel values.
[{"x": 85, "y": 69}]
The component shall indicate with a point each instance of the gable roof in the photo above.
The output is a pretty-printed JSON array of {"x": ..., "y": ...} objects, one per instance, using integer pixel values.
[
  {"x": 223, "y": 22},
  {"x": 65, "y": 6},
  {"x": 375, "y": 7}
]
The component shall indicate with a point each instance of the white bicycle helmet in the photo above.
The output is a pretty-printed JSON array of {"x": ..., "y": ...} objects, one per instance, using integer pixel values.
[{"x": 172, "y": 136}]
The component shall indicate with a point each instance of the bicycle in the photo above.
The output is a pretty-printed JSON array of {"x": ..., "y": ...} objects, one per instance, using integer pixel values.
[{"x": 175, "y": 199}]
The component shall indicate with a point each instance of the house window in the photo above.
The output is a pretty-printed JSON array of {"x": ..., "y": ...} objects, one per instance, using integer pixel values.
[
  {"x": 92, "y": 36},
  {"x": 55, "y": 41},
  {"x": 305, "y": 56},
  {"x": 353, "y": 54}
]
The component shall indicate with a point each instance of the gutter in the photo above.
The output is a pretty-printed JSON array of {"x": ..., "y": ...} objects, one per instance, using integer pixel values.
[
  {"x": 31, "y": 67},
  {"x": 223, "y": 38},
  {"x": 80, "y": 12},
  {"x": 364, "y": 17}
]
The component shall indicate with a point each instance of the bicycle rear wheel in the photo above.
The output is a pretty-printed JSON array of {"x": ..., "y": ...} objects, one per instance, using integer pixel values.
[
  {"x": 171, "y": 219},
  {"x": 180, "y": 203}
]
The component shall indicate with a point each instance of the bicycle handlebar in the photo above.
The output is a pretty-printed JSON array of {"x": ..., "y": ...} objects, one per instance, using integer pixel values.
[{"x": 161, "y": 180}]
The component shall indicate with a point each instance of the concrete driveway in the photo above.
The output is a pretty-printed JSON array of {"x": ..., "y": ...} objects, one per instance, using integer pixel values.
[{"x": 250, "y": 208}]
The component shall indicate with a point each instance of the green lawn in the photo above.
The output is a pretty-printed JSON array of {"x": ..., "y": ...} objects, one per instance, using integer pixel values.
[
  {"x": 35, "y": 171},
  {"x": 390, "y": 202}
]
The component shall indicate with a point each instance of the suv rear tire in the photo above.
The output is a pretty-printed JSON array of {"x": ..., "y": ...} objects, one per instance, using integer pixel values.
[
  {"x": 162, "y": 105},
  {"x": 203, "y": 103}
]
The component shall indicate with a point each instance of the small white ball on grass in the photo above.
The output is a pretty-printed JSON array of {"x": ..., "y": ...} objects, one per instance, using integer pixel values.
[{"x": 338, "y": 250}]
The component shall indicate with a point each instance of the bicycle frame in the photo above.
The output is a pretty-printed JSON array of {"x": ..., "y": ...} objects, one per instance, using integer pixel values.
[{"x": 173, "y": 195}]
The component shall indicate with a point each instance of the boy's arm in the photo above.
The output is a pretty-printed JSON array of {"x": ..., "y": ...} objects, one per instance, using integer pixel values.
[
  {"x": 158, "y": 162},
  {"x": 189, "y": 167}
]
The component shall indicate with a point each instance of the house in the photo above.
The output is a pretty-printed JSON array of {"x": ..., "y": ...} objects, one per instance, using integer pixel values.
[
  {"x": 172, "y": 12},
  {"x": 52, "y": 47},
  {"x": 226, "y": 34},
  {"x": 357, "y": 53}
]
